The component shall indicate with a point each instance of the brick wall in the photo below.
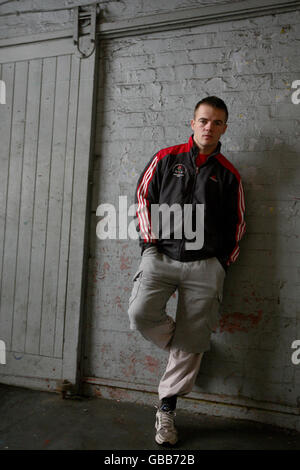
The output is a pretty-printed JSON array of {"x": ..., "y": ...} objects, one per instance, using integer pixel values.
[{"x": 147, "y": 90}]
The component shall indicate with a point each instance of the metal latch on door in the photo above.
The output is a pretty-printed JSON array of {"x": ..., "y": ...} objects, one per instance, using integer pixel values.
[{"x": 84, "y": 34}]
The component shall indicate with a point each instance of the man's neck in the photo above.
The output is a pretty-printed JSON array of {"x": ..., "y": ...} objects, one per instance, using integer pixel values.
[{"x": 206, "y": 150}]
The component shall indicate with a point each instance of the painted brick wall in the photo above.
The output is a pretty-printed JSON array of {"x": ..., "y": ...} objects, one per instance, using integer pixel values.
[{"x": 147, "y": 90}]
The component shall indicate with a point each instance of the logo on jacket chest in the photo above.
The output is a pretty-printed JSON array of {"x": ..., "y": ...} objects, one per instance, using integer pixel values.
[{"x": 179, "y": 170}]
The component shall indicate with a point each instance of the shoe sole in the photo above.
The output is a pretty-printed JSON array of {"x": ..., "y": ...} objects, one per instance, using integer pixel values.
[{"x": 161, "y": 441}]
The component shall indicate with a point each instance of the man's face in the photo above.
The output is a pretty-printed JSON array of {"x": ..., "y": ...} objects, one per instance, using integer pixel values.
[{"x": 208, "y": 125}]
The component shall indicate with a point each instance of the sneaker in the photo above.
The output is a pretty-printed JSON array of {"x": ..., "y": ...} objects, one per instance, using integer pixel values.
[{"x": 166, "y": 433}]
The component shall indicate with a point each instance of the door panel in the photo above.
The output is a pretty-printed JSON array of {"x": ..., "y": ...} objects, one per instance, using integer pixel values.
[{"x": 45, "y": 134}]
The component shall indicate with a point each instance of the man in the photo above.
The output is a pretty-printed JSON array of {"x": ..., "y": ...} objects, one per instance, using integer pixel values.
[{"x": 190, "y": 252}]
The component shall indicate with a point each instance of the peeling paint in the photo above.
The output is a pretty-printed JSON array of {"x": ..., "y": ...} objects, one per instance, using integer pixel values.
[
  {"x": 118, "y": 394},
  {"x": 118, "y": 302},
  {"x": 237, "y": 321},
  {"x": 130, "y": 369},
  {"x": 151, "y": 364},
  {"x": 97, "y": 392},
  {"x": 124, "y": 264}
]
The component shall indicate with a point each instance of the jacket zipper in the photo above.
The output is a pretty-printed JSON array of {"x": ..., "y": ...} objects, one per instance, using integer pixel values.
[{"x": 191, "y": 202}]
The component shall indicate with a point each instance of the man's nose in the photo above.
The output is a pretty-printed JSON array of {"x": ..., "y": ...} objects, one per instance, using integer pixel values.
[{"x": 209, "y": 125}]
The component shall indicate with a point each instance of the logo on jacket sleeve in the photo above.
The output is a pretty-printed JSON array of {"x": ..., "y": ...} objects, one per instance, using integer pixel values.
[{"x": 179, "y": 170}]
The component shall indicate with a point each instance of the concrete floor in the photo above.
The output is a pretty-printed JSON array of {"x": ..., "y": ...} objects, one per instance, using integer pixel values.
[{"x": 34, "y": 420}]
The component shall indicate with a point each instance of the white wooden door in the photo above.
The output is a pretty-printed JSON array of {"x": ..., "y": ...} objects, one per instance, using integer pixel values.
[{"x": 45, "y": 148}]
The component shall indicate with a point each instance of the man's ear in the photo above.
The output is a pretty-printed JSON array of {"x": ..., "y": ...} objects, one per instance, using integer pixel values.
[{"x": 192, "y": 124}]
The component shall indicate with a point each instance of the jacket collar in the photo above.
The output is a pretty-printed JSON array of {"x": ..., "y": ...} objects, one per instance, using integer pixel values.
[{"x": 195, "y": 150}]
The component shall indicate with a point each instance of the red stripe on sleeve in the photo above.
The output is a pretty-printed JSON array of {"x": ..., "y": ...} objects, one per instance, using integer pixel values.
[{"x": 241, "y": 225}]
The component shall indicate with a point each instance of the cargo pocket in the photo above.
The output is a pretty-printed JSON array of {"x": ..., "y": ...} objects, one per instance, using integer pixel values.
[
  {"x": 137, "y": 278},
  {"x": 213, "y": 316}
]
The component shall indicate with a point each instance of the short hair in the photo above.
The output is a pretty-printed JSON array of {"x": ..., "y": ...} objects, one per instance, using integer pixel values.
[{"x": 215, "y": 102}]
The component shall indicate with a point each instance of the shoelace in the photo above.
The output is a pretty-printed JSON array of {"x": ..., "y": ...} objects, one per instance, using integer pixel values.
[{"x": 166, "y": 419}]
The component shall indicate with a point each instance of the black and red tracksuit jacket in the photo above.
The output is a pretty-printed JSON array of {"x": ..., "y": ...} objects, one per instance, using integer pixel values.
[{"x": 172, "y": 177}]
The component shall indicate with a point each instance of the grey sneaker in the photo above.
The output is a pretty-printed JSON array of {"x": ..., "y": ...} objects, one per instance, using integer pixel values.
[{"x": 166, "y": 433}]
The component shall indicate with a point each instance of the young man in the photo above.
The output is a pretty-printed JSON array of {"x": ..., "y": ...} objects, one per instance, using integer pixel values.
[{"x": 190, "y": 210}]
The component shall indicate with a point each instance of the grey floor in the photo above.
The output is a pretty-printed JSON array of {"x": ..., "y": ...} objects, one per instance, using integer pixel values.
[{"x": 33, "y": 420}]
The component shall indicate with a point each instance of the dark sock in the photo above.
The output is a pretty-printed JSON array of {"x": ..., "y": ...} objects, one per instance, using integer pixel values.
[{"x": 168, "y": 403}]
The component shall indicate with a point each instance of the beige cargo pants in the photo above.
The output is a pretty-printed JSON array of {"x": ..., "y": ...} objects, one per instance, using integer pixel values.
[{"x": 200, "y": 286}]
